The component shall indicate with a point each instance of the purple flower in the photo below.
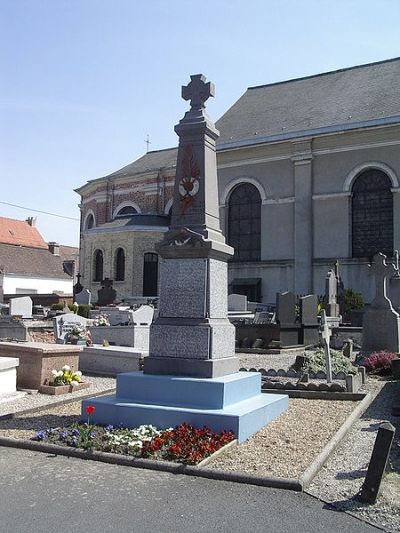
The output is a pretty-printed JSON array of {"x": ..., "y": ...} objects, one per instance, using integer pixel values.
[
  {"x": 74, "y": 440},
  {"x": 91, "y": 435},
  {"x": 63, "y": 434},
  {"x": 74, "y": 432},
  {"x": 40, "y": 435},
  {"x": 110, "y": 427}
]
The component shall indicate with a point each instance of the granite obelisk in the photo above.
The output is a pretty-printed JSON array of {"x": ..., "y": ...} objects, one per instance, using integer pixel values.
[{"x": 192, "y": 335}]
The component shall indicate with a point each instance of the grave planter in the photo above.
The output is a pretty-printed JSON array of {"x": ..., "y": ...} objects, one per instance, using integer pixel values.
[{"x": 62, "y": 389}]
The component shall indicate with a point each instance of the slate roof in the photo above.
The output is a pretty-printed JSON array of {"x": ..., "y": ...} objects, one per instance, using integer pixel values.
[
  {"x": 30, "y": 261},
  {"x": 19, "y": 232},
  {"x": 360, "y": 96}
]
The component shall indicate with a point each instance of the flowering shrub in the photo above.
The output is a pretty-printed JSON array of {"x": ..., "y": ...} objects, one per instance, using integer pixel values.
[
  {"x": 379, "y": 363},
  {"x": 183, "y": 444},
  {"x": 66, "y": 377},
  {"x": 101, "y": 320}
]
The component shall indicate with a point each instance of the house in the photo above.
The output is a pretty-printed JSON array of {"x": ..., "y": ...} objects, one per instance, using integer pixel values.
[
  {"x": 28, "y": 265},
  {"x": 308, "y": 173}
]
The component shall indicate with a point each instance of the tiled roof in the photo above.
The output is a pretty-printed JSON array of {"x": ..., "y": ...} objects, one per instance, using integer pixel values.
[
  {"x": 30, "y": 261},
  {"x": 344, "y": 99},
  {"x": 19, "y": 232}
]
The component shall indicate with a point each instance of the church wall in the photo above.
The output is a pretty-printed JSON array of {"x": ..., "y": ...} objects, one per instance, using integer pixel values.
[{"x": 134, "y": 243}]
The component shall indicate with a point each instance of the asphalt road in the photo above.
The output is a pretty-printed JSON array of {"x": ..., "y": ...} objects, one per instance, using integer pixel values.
[{"x": 42, "y": 493}]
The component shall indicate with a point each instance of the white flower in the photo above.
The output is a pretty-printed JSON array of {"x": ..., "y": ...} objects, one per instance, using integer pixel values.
[
  {"x": 78, "y": 373},
  {"x": 60, "y": 373},
  {"x": 66, "y": 368},
  {"x": 74, "y": 383},
  {"x": 54, "y": 373}
]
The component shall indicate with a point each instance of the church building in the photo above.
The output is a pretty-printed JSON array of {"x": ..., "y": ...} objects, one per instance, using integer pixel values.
[{"x": 308, "y": 173}]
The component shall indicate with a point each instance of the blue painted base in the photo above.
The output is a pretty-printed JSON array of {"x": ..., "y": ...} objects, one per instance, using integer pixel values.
[{"x": 232, "y": 402}]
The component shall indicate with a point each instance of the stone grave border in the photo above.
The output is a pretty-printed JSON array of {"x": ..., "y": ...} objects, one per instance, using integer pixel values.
[
  {"x": 347, "y": 391},
  {"x": 296, "y": 485}
]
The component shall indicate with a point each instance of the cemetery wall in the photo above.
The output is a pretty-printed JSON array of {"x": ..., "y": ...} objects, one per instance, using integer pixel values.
[{"x": 14, "y": 284}]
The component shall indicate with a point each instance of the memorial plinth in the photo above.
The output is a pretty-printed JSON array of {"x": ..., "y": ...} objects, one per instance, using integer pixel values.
[{"x": 192, "y": 343}]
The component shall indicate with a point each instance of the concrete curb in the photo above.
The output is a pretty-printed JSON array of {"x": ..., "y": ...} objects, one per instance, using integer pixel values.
[
  {"x": 306, "y": 478},
  {"x": 149, "y": 464},
  {"x": 50, "y": 405}
]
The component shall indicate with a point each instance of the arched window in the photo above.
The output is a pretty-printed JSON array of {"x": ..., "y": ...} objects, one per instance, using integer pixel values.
[
  {"x": 98, "y": 266},
  {"x": 126, "y": 211},
  {"x": 119, "y": 266},
  {"x": 244, "y": 222},
  {"x": 89, "y": 223},
  {"x": 372, "y": 214},
  {"x": 150, "y": 274}
]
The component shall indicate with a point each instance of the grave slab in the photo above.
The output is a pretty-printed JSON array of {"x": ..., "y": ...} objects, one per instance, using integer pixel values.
[
  {"x": 110, "y": 360},
  {"x": 38, "y": 359},
  {"x": 8, "y": 375}
]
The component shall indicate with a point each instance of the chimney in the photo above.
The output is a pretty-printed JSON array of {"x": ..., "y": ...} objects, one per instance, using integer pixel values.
[
  {"x": 54, "y": 248},
  {"x": 31, "y": 221}
]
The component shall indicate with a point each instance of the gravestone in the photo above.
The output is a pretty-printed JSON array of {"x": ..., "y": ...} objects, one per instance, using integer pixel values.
[
  {"x": 143, "y": 316},
  {"x": 78, "y": 287},
  {"x": 84, "y": 297},
  {"x": 308, "y": 319},
  {"x": 377, "y": 465},
  {"x": 331, "y": 305},
  {"x": 381, "y": 324},
  {"x": 237, "y": 302},
  {"x": 21, "y": 307},
  {"x": 340, "y": 289},
  {"x": 286, "y": 308},
  {"x": 12, "y": 328},
  {"x": 106, "y": 295},
  {"x": 63, "y": 324}
]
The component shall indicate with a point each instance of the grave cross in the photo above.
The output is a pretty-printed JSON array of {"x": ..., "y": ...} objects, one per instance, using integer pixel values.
[
  {"x": 326, "y": 335},
  {"x": 198, "y": 91},
  {"x": 381, "y": 270}
]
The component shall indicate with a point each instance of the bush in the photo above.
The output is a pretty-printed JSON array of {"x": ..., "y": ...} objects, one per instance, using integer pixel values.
[
  {"x": 379, "y": 363},
  {"x": 84, "y": 310},
  {"x": 57, "y": 307},
  {"x": 315, "y": 362},
  {"x": 352, "y": 300}
]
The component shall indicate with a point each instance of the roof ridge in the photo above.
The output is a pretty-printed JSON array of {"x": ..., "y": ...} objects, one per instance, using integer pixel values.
[{"x": 324, "y": 73}]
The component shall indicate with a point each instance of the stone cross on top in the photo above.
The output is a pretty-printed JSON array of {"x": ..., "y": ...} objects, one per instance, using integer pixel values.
[
  {"x": 198, "y": 91},
  {"x": 381, "y": 270}
]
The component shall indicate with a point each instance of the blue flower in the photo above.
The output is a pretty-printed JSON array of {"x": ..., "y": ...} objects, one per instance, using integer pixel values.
[
  {"x": 63, "y": 434},
  {"x": 91, "y": 435},
  {"x": 74, "y": 440},
  {"x": 40, "y": 435},
  {"x": 110, "y": 427},
  {"x": 74, "y": 432}
]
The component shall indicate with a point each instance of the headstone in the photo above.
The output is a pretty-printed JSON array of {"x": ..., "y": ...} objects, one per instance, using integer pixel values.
[
  {"x": 262, "y": 317},
  {"x": 308, "y": 310},
  {"x": 325, "y": 336},
  {"x": 78, "y": 286},
  {"x": 106, "y": 295},
  {"x": 21, "y": 307},
  {"x": 331, "y": 305},
  {"x": 348, "y": 348},
  {"x": 143, "y": 316},
  {"x": 237, "y": 302},
  {"x": 340, "y": 289},
  {"x": 63, "y": 324},
  {"x": 381, "y": 323},
  {"x": 377, "y": 465},
  {"x": 84, "y": 297},
  {"x": 286, "y": 308}
]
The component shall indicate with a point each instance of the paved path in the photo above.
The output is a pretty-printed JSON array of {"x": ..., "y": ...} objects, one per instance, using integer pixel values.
[{"x": 41, "y": 493}]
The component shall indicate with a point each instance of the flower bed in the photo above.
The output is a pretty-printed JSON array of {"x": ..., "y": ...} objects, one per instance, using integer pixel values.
[
  {"x": 182, "y": 444},
  {"x": 63, "y": 389}
]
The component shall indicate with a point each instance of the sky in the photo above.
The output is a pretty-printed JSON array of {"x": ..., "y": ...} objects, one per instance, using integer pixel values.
[{"x": 83, "y": 82}]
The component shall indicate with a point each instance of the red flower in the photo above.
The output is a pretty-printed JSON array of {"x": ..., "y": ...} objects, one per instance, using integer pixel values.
[{"x": 89, "y": 409}]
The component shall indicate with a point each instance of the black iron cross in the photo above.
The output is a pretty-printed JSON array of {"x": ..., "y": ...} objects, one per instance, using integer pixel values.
[{"x": 198, "y": 91}]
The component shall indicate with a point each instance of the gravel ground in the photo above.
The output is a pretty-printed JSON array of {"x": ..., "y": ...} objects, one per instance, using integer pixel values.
[{"x": 267, "y": 361}]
